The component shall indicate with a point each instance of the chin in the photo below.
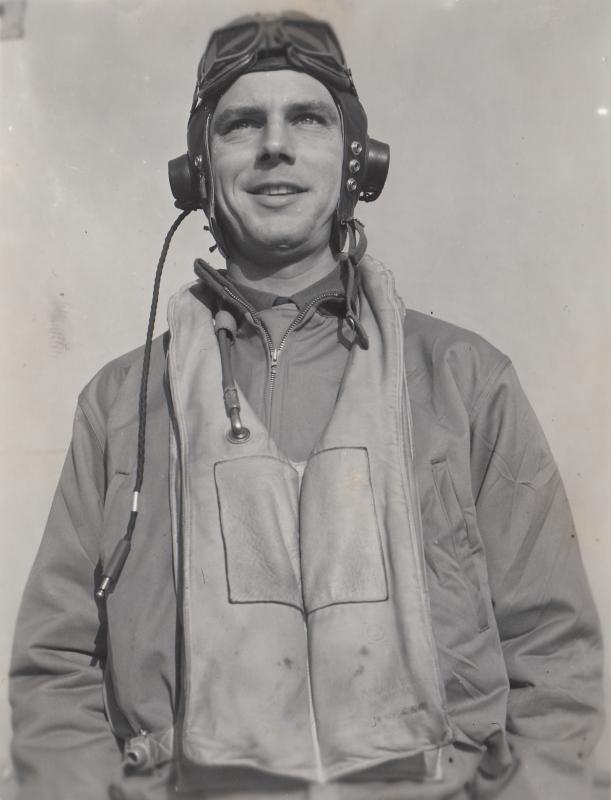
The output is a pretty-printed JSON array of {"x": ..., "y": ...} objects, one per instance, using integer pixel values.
[
  {"x": 281, "y": 241},
  {"x": 278, "y": 237}
]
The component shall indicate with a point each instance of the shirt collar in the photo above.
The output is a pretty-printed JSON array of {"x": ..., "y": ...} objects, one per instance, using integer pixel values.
[{"x": 260, "y": 300}]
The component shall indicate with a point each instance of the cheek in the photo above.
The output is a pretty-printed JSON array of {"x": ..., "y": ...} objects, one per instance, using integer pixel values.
[
  {"x": 328, "y": 169},
  {"x": 226, "y": 169},
  {"x": 221, "y": 180},
  {"x": 330, "y": 176}
]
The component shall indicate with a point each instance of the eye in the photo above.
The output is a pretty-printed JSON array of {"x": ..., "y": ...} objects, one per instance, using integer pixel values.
[
  {"x": 241, "y": 124},
  {"x": 308, "y": 118}
]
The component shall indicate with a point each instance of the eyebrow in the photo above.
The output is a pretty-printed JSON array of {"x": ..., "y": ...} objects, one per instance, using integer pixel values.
[{"x": 302, "y": 107}]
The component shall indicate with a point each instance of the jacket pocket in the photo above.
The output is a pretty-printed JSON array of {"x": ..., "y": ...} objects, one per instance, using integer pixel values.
[
  {"x": 458, "y": 538},
  {"x": 119, "y": 724},
  {"x": 116, "y": 511}
]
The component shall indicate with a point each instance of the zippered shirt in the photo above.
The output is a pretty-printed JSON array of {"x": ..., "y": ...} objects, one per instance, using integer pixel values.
[{"x": 289, "y": 355}]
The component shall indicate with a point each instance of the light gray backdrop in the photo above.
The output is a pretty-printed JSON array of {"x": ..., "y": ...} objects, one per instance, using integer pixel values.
[{"x": 496, "y": 215}]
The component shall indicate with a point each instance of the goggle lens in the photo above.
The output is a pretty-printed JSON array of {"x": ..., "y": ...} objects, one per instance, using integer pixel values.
[
  {"x": 314, "y": 39},
  {"x": 308, "y": 43},
  {"x": 228, "y": 44}
]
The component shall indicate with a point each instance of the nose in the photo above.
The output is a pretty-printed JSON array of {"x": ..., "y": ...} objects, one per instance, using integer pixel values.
[{"x": 276, "y": 143}]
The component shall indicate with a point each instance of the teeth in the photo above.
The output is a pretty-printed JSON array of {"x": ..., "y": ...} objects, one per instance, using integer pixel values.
[{"x": 280, "y": 189}]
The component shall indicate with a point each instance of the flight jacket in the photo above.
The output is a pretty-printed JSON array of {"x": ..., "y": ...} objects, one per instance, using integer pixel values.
[{"x": 515, "y": 670}]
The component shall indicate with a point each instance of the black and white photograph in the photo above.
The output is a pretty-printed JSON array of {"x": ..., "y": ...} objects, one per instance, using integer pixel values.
[{"x": 306, "y": 410}]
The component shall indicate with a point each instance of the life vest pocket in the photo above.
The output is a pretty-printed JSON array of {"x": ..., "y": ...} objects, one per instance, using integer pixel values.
[
  {"x": 342, "y": 560},
  {"x": 257, "y": 498}
]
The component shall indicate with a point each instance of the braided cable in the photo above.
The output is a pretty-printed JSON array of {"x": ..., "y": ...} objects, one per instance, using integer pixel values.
[
  {"x": 119, "y": 555},
  {"x": 146, "y": 362}
]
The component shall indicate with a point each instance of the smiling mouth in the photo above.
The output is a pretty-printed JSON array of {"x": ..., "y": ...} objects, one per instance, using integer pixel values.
[{"x": 277, "y": 189}]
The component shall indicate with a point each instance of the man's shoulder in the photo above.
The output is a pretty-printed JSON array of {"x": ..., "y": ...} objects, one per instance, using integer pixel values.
[
  {"x": 449, "y": 354},
  {"x": 439, "y": 337},
  {"x": 435, "y": 335},
  {"x": 439, "y": 353},
  {"x": 124, "y": 372}
]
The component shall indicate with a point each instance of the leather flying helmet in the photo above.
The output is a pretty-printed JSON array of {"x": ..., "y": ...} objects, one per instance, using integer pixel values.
[{"x": 290, "y": 40}]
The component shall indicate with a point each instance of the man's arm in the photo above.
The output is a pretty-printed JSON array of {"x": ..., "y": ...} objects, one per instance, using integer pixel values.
[
  {"x": 543, "y": 606},
  {"x": 63, "y": 747}
]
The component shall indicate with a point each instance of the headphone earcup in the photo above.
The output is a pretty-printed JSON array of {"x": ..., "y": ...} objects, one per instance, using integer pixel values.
[
  {"x": 377, "y": 163},
  {"x": 187, "y": 183}
]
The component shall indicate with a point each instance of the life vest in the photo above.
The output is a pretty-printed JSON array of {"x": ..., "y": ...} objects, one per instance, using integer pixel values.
[{"x": 308, "y": 646}]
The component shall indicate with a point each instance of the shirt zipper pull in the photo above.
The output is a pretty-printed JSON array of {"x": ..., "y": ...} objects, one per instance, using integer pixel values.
[{"x": 274, "y": 362}]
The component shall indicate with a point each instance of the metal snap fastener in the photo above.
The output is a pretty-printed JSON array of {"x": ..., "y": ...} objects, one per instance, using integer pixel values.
[
  {"x": 354, "y": 165},
  {"x": 351, "y": 185},
  {"x": 356, "y": 147},
  {"x": 240, "y": 436}
]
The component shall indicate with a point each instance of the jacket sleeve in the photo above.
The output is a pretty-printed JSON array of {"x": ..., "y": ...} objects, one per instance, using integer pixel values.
[
  {"x": 543, "y": 606},
  {"x": 63, "y": 747}
]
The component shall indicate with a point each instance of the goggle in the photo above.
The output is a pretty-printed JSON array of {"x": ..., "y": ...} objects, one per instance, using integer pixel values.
[{"x": 307, "y": 44}]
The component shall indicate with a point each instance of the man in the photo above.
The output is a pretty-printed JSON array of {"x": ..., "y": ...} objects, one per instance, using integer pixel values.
[{"x": 350, "y": 569}]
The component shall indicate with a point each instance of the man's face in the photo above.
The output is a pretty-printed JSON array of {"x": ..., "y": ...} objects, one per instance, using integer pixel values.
[{"x": 276, "y": 152}]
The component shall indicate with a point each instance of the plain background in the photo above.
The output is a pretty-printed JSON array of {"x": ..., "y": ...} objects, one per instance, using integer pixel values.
[{"x": 496, "y": 215}]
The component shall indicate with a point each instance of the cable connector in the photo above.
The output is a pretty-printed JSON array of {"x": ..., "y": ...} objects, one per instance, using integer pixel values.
[{"x": 115, "y": 565}]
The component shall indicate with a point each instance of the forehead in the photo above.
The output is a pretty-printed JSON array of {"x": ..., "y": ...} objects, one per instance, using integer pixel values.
[{"x": 275, "y": 89}]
